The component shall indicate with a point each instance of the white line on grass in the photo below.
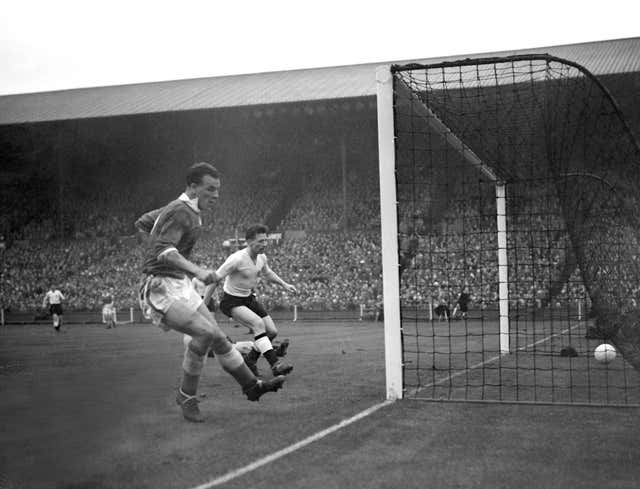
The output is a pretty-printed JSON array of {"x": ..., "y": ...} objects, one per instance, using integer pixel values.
[
  {"x": 291, "y": 448},
  {"x": 234, "y": 474},
  {"x": 489, "y": 360}
]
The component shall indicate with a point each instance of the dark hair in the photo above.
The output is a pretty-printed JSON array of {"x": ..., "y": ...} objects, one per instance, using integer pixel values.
[
  {"x": 253, "y": 231},
  {"x": 199, "y": 170}
]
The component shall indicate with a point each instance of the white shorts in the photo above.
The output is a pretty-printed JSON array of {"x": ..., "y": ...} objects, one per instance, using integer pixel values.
[
  {"x": 108, "y": 314},
  {"x": 158, "y": 294}
]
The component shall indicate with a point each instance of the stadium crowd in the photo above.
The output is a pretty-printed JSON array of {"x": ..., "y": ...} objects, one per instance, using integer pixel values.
[{"x": 330, "y": 250}]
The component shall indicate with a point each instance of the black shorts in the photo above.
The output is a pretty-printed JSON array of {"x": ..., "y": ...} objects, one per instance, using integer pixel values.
[
  {"x": 55, "y": 309},
  {"x": 441, "y": 309},
  {"x": 228, "y": 302}
]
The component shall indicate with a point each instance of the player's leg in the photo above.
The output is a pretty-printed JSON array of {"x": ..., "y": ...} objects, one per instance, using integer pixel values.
[
  {"x": 270, "y": 327},
  {"x": 204, "y": 334},
  {"x": 280, "y": 367},
  {"x": 252, "y": 323},
  {"x": 59, "y": 316},
  {"x": 180, "y": 317},
  {"x": 233, "y": 362},
  {"x": 252, "y": 320},
  {"x": 55, "y": 317}
]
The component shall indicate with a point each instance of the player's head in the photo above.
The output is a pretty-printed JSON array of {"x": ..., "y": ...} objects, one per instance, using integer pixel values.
[
  {"x": 203, "y": 182},
  {"x": 256, "y": 237}
]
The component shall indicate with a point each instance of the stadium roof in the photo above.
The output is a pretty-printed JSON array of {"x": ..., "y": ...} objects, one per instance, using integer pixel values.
[{"x": 601, "y": 57}]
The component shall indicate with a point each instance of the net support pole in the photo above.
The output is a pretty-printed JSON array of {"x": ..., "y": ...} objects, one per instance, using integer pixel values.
[
  {"x": 389, "y": 234},
  {"x": 503, "y": 276},
  {"x": 579, "y": 310}
]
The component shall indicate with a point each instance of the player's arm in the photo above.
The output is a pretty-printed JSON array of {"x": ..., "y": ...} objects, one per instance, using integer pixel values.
[
  {"x": 176, "y": 260},
  {"x": 272, "y": 276},
  {"x": 166, "y": 241},
  {"x": 228, "y": 267},
  {"x": 45, "y": 300},
  {"x": 208, "y": 292},
  {"x": 225, "y": 269},
  {"x": 144, "y": 224}
]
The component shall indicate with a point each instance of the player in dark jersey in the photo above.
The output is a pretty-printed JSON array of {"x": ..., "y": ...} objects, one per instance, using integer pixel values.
[
  {"x": 167, "y": 295},
  {"x": 462, "y": 304}
]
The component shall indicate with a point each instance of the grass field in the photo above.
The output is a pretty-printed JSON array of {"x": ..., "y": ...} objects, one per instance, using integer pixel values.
[
  {"x": 94, "y": 408},
  {"x": 461, "y": 360}
]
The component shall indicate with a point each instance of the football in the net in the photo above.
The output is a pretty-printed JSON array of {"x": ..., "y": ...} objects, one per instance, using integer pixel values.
[{"x": 605, "y": 353}]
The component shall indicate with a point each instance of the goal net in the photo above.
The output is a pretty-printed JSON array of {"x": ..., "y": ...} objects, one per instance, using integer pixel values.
[{"x": 510, "y": 185}]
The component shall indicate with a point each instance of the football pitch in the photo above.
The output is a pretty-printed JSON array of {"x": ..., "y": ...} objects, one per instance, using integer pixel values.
[
  {"x": 94, "y": 408},
  {"x": 462, "y": 360}
]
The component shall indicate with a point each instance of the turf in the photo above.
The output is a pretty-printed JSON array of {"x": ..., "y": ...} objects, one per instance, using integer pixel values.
[{"x": 94, "y": 408}]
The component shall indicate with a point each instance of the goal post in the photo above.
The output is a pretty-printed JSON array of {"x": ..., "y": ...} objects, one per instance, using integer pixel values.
[
  {"x": 504, "y": 198},
  {"x": 389, "y": 233},
  {"x": 389, "y": 222}
]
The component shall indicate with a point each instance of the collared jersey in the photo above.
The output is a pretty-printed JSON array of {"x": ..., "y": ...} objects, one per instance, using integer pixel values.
[
  {"x": 176, "y": 227},
  {"x": 240, "y": 272}
]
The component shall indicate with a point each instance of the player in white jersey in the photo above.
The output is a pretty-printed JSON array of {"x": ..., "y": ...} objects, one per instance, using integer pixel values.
[
  {"x": 109, "y": 317},
  {"x": 240, "y": 272},
  {"x": 54, "y": 298}
]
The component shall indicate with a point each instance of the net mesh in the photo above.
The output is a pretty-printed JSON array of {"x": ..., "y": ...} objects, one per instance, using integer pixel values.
[{"x": 550, "y": 134}]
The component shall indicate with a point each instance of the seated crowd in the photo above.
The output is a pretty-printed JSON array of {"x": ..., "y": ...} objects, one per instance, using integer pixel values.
[{"x": 330, "y": 249}]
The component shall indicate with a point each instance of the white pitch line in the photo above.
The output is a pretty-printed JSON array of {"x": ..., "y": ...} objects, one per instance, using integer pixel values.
[
  {"x": 492, "y": 359},
  {"x": 234, "y": 474}
]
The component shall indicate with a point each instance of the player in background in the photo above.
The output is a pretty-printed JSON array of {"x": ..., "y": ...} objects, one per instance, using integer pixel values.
[
  {"x": 240, "y": 272},
  {"x": 54, "y": 299},
  {"x": 168, "y": 298},
  {"x": 442, "y": 303},
  {"x": 109, "y": 318},
  {"x": 462, "y": 304},
  {"x": 244, "y": 347}
]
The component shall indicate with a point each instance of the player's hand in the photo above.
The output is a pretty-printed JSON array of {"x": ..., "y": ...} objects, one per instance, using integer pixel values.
[
  {"x": 290, "y": 288},
  {"x": 206, "y": 276}
]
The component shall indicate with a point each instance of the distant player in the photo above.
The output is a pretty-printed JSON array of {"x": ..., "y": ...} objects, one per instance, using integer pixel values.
[
  {"x": 168, "y": 298},
  {"x": 408, "y": 248},
  {"x": 109, "y": 318},
  {"x": 54, "y": 299},
  {"x": 462, "y": 305},
  {"x": 240, "y": 272},
  {"x": 442, "y": 300}
]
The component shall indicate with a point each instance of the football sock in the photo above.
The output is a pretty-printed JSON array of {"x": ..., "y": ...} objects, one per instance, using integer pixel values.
[
  {"x": 264, "y": 346},
  {"x": 192, "y": 363}
]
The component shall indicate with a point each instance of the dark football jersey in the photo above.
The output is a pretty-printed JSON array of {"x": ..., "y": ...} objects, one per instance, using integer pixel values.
[
  {"x": 176, "y": 226},
  {"x": 146, "y": 221}
]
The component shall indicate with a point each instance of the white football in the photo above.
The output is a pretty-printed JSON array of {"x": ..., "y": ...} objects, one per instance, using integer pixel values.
[{"x": 605, "y": 353}]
